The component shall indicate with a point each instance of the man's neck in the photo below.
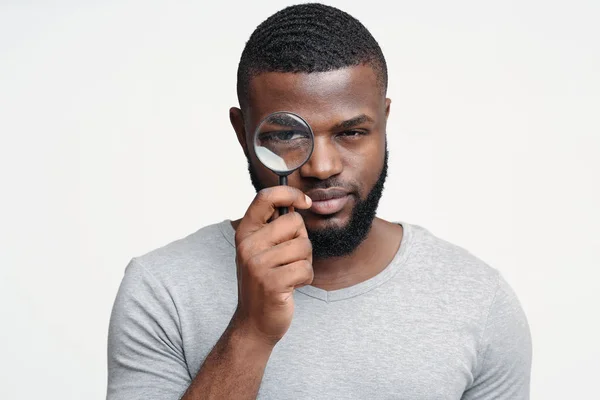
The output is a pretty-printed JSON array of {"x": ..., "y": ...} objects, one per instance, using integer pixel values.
[{"x": 371, "y": 257}]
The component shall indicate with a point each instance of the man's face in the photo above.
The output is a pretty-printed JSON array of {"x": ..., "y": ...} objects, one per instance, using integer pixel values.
[{"x": 347, "y": 112}]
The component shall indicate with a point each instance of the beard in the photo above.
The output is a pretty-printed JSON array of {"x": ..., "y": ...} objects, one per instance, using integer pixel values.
[{"x": 341, "y": 241}]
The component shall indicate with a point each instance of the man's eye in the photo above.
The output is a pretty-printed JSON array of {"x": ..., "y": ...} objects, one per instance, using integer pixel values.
[
  {"x": 283, "y": 136},
  {"x": 289, "y": 135},
  {"x": 352, "y": 133}
]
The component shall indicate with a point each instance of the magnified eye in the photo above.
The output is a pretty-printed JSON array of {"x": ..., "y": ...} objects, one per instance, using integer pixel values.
[
  {"x": 283, "y": 142},
  {"x": 283, "y": 136}
]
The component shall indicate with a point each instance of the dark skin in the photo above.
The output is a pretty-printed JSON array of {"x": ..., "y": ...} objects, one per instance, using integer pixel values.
[{"x": 348, "y": 114}]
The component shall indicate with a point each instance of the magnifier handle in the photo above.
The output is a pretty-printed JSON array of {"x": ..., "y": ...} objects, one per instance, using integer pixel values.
[{"x": 283, "y": 182}]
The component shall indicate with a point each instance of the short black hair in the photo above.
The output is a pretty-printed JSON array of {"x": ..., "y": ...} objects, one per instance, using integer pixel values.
[{"x": 308, "y": 38}]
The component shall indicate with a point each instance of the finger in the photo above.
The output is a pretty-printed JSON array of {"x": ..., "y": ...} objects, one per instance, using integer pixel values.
[
  {"x": 294, "y": 275},
  {"x": 277, "y": 213},
  {"x": 285, "y": 253},
  {"x": 264, "y": 205},
  {"x": 274, "y": 216},
  {"x": 284, "y": 228}
]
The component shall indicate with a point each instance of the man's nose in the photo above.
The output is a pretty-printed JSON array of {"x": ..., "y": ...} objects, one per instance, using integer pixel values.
[{"x": 324, "y": 162}]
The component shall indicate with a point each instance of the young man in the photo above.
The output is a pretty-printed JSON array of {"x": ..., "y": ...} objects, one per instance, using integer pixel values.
[{"x": 327, "y": 301}]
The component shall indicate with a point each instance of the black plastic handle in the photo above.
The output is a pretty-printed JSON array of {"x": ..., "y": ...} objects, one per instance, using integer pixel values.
[{"x": 283, "y": 182}]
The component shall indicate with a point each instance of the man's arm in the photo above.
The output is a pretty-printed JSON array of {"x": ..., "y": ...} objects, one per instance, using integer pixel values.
[
  {"x": 145, "y": 350},
  {"x": 504, "y": 355},
  {"x": 233, "y": 369}
]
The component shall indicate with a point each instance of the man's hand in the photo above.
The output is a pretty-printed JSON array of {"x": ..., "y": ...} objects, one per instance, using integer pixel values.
[{"x": 272, "y": 259}]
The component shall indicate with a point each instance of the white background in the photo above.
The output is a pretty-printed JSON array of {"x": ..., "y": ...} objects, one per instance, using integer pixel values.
[{"x": 115, "y": 140}]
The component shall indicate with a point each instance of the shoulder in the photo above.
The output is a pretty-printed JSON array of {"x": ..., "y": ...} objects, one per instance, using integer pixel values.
[
  {"x": 201, "y": 253},
  {"x": 442, "y": 260},
  {"x": 470, "y": 291},
  {"x": 462, "y": 283}
]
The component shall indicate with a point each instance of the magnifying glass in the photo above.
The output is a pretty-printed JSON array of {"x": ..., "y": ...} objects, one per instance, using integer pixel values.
[{"x": 283, "y": 142}]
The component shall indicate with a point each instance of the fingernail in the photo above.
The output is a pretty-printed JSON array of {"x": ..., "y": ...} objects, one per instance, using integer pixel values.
[{"x": 308, "y": 200}]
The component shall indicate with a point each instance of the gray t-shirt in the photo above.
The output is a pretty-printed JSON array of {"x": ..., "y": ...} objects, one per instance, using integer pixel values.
[{"x": 437, "y": 323}]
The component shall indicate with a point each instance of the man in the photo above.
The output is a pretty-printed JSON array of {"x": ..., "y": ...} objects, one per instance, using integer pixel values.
[{"x": 327, "y": 301}]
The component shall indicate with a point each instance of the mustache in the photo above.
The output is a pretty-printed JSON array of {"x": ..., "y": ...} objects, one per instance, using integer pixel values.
[{"x": 330, "y": 183}]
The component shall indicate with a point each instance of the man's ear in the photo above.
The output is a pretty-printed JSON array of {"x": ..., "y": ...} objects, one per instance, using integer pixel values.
[
  {"x": 387, "y": 107},
  {"x": 237, "y": 122}
]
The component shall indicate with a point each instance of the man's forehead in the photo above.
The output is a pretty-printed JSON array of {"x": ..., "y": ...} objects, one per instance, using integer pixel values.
[
  {"x": 360, "y": 77},
  {"x": 345, "y": 92}
]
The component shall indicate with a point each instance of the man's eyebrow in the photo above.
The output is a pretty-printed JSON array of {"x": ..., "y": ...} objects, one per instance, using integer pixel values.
[{"x": 349, "y": 123}]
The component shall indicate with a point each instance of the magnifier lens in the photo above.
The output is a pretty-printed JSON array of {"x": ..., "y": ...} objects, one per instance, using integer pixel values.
[{"x": 283, "y": 142}]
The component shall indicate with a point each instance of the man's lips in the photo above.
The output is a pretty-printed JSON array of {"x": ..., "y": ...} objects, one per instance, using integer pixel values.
[{"x": 328, "y": 201}]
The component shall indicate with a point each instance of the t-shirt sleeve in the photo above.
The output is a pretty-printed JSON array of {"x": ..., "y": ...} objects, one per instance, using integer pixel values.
[
  {"x": 504, "y": 356},
  {"x": 145, "y": 349}
]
